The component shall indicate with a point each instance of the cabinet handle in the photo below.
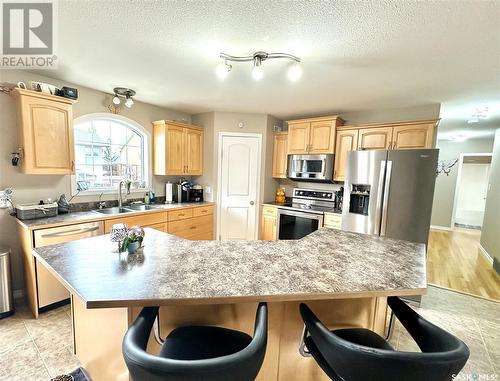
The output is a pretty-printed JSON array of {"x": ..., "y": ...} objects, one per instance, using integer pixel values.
[
  {"x": 72, "y": 165},
  {"x": 181, "y": 215},
  {"x": 70, "y": 232},
  {"x": 192, "y": 227}
]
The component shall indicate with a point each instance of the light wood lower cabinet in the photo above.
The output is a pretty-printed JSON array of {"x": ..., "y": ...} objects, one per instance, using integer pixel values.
[
  {"x": 193, "y": 224},
  {"x": 43, "y": 289},
  {"x": 269, "y": 223},
  {"x": 138, "y": 220},
  {"x": 332, "y": 220}
]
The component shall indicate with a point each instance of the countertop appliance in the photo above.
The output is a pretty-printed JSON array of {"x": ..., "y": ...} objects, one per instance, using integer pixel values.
[
  {"x": 314, "y": 168},
  {"x": 390, "y": 193},
  {"x": 195, "y": 195},
  {"x": 304, "y": 214}
]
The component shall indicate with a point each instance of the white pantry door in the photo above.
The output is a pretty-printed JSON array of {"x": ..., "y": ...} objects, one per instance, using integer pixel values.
[{"x": 239, "y": 186}]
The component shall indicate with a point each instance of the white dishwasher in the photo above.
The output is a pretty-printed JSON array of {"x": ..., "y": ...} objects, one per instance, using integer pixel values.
[{"x": 49, "y": 289}]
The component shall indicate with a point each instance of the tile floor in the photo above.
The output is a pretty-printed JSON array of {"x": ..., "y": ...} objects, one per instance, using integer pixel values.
[{"x": 40, "y": 349}]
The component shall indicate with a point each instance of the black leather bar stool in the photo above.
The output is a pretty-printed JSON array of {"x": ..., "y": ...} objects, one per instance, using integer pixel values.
[
  {"x": 359, "y": 354},
  {"x": 196, "y": 353}
]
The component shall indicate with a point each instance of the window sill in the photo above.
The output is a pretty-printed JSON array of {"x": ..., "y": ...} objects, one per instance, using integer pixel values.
[{"x": 111, "y": 191}]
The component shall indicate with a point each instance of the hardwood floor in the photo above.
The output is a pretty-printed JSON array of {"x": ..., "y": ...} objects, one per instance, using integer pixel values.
[{"x": 455, "y": 261}]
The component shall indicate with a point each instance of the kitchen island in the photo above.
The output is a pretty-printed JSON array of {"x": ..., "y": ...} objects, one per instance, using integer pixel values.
[{"x": 344, "y": 277}]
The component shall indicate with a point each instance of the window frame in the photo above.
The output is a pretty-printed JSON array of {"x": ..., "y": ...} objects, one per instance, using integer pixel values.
[{"x": 146, "y": 154}]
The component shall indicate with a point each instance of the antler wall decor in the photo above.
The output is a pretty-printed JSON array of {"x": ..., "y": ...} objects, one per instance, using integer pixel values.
[{"x": 445, "y": 166}]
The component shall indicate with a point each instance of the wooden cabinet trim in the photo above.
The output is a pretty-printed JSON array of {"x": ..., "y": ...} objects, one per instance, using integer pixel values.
[
  {"x": 336, "y": 118},
  {"x": 434, "y": 122}
]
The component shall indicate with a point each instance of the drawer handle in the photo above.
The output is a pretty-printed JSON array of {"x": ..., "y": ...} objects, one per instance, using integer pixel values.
[
  {"x": 70, "y": 232},
  {"x": 204, "y": 211},
  {"x": 192, "y": 227},
  {"x": 181, "y": 215}
]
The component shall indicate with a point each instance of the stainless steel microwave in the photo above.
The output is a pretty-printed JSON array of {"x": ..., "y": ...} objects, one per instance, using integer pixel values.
[{"x": 318, "y": 168}]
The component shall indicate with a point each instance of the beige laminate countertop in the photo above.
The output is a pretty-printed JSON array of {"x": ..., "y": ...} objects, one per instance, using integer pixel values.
[
  {"x": 326, "y": 264},
  {"x": 90, "y": 216}
]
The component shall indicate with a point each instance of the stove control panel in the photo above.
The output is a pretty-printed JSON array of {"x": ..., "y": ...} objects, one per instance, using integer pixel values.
[{"x": 312, "y": 194}]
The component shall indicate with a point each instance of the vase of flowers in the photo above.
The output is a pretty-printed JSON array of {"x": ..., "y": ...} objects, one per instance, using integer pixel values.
[{"x": 133, "y": 241}]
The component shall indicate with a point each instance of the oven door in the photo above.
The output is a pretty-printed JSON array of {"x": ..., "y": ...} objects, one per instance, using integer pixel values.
[{"x": 295, "y": 225}]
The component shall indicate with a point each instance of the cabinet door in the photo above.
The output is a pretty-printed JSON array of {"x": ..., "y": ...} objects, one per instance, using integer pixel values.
[
  {"x": 268, "y": 228},
  {"x": 413, "y": 137},
  {"x": 346, "y": 141},
  {"x": 193, "y": 152},
  {"x": 298, "y": 138},
  {"x": 175, "y": 150},
  {"x": 375, "y": 138},
  {"x": 46, "y": 136},
  {"x": 280, "y": 152},
  {"x": 322, "y": 137}
]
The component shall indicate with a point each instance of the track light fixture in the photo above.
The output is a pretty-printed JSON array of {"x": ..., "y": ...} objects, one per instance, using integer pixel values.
[
  {"x": 121, "y": 92},
  {"x": 294, "y": 71}
]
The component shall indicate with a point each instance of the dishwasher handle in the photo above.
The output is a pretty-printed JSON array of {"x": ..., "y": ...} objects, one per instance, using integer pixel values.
[{"x": 71, "y": 232}]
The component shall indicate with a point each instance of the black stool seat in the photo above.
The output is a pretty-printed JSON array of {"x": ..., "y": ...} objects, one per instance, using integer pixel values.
[
  {"x": 195, "y": 353},
  {"x": 203, "y": 342},
  {"x": 359, "y": 354}
]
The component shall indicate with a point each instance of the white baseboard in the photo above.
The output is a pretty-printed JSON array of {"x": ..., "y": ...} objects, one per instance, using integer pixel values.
[
  {"x": 437, "y": 227},
  {"x": 488, "y": 257}
]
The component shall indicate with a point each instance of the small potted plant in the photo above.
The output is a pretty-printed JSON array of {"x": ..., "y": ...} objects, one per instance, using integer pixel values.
[{"x": 133, "y": 241}]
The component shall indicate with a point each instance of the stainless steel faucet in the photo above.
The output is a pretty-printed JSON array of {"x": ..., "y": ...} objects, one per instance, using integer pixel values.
[
  {"x": 120, "y": 197},
  {"x": 102, "y": 204}
]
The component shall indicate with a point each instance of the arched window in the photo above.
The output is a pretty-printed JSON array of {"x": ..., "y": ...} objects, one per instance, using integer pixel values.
[{"x": 108, "y": 149}]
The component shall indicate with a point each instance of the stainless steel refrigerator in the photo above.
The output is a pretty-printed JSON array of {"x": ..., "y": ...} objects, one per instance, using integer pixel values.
[{"x": 390, "y": 193}]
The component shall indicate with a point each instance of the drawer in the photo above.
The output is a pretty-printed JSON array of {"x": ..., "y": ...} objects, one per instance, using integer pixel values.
[
  {"x": 270, "y": 211},
  {"x": 174, "y": 215},
  {"x": 140, "y": 220},
  {"x": 203, "y": 211},
  {"x": 160, "y": 227},
  {"x": 191, "y": 226},
  {"x": 206, "y": 236},
  {"x": 61, "y": 234},
  {"x": 333, "y": 220}
]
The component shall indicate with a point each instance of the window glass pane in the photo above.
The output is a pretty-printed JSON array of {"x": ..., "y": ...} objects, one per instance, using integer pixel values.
[
  {"x": 107, "y": 152},
  {"x": 101, "y": 131},
  {"x": 134, "y": 139},
  {"x": 83, "y": 132},
  {"x": 118, "y": 134}
]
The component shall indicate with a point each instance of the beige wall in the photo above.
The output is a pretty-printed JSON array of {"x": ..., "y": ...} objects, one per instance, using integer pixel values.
[
  {"x": 490, "y": 235},
  {"x": 216, "y": 122},
  {"x": 31, "y": 188},
  {"x": 444, "y": 193}
]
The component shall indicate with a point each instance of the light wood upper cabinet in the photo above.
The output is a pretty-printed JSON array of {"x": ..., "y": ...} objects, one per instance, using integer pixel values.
[
  {"x": 45, "y": 125},
  {"x": 413, "y": 137},
  {"x": 322, "y": 137},
  {"x": 298, "y": 138},
  {"x": 177, "y": 149},
  {"x": 345, "y": 141},
  {"x": 280, "y": 153},
  {"x": 375, "y": 138},
  {"x": 313, "y": 135},
  {"x": 194, "y": 152}
]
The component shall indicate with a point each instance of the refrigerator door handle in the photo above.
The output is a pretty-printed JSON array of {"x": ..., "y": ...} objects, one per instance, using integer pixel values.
[
  {"x": 383, "y": 224},
  {"x": 378, "y": 207}
]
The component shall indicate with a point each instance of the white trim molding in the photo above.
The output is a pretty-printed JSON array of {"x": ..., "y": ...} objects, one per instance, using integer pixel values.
[
  {"x": 487, "y": 255},
  {"x": 445, "y": 228}
]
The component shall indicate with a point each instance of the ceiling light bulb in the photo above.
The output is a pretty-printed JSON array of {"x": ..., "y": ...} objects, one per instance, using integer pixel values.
[
  {"x": 257, "y": 73},
  {"x": 116, "y": 100},
  {"x": 222, "y": 70},
  {"x": 129, "y": 102},
  {"x": 294, "y": 72}
]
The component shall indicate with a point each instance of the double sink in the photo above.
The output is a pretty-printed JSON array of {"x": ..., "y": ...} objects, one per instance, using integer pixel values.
[{"x": 126, "y": 209}]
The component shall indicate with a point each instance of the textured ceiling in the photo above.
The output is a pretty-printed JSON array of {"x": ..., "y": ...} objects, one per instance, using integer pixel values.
[{"x": 357, "y": 55}]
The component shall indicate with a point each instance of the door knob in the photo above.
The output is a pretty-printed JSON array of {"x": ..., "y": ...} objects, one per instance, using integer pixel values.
[{"x": 252, "y": 203}]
